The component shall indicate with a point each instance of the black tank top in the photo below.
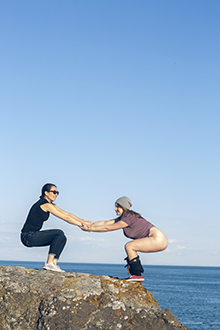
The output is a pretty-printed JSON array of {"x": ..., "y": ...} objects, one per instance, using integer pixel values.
[{"x": 36, "y": 217}]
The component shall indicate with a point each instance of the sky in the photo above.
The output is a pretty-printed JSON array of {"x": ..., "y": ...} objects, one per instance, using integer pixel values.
[{"x": 108, "y": 99}]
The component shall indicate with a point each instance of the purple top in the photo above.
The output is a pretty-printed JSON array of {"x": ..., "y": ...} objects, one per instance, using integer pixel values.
[{"x": 137, "y": 227}]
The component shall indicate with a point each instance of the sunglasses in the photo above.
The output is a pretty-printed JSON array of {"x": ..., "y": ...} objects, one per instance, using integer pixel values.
[{"x": 55, "y": 192}]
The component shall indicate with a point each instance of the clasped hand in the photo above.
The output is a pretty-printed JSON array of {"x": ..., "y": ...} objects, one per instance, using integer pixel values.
[{"x": 86, "y": 226}]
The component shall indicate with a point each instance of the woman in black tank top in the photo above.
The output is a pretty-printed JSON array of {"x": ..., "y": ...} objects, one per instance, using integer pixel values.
[{"x": 31, "y": 233}]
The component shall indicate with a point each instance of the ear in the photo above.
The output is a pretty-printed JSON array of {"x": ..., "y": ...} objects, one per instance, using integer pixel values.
[{"x": 46, "y": 193}]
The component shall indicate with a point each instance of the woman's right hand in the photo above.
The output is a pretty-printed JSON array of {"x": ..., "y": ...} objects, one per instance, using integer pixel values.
[{"x": 85, "y": 227}]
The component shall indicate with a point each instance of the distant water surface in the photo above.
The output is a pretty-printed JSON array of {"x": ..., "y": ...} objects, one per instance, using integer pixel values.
[{"x": 191, "y": 293}]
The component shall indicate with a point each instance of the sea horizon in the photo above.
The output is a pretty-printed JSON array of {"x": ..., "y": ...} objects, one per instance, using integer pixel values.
[{"x": 106, "y": 263}]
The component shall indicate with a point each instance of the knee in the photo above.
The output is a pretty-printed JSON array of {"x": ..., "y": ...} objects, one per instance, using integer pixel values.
[
  {"x": 64, "y": 238},
  {"x": 164, "y": 244},
  {"x": 128, "y": 246},
  {"x": 61, "y": 234}
]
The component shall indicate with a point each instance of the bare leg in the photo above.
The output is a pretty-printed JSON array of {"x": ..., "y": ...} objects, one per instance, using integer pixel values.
[
  {"x": 51, "y": 259},
  {"x": 156, "y": 242},
  {"x": 51, "y": 264}
]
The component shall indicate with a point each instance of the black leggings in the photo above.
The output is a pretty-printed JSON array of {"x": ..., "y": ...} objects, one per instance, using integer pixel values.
[{"x": 53, "y": 237}]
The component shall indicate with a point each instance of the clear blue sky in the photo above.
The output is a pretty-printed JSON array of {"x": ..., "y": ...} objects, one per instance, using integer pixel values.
[{"x": 106, "y": 99}]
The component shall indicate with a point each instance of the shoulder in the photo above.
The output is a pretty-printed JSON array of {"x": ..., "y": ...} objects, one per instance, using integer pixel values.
[
  {"x": 128, "y": 218},
  {"x": 117, "y": 219},
  {"x": 44, "y": 205},
  {"x": 36, "y": 204},
  {"x": 40, "y": 201},
  {"x": 43, "y": 201}
]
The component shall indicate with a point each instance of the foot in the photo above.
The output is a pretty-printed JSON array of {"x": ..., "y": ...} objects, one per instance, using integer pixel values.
[
  {"x": 51, "y": 266},
  {"x": 59, "y": 269},
  {"x": 135, "y": 278}
]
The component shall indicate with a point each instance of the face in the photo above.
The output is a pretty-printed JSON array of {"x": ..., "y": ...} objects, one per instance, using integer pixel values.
[
  {"x": 52, "y": 194},
  {"x": 118, "y": 210}
]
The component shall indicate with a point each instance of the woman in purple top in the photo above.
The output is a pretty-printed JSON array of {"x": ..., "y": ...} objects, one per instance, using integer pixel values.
[{"x": 146, "y": 237}]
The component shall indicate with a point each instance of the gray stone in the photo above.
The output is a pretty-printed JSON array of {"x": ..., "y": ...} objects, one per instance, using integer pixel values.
[{"x": 46, "y": 300}]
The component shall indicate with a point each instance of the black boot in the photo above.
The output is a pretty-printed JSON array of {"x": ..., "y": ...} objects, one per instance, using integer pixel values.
[
  {"x": 135, "y": 267},
  {"x": 127, "y": 265}
]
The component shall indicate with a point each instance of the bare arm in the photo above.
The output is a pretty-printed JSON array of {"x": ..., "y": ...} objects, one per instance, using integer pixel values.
[
  {"x": 103, "y": 223},
  {"x": 68, "y": 217},
  {"x": 105, "y": 227}
]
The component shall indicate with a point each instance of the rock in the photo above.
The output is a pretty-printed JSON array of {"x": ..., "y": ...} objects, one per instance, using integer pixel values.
[{"x": 39, "y": 299}]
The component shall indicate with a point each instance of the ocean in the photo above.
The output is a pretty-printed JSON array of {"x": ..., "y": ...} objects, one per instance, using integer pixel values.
[{"x": 192, "y": 294}]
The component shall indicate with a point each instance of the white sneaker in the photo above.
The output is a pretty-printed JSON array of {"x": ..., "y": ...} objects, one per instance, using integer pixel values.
[
  {"x": 52, "y": 267},
  {"x": 59, "y": 269}
]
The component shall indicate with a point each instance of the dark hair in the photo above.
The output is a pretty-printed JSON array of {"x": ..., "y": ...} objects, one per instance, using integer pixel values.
[
  {"x": 126, "y": 211},
  {"x": 47, "y": 188}
]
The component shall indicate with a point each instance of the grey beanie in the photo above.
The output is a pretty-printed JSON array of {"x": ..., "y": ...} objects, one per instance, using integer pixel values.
[{"x": 124, "y": 201}]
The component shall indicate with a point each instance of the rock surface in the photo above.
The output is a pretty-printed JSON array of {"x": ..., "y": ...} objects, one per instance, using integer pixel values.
[{"x": 39, "y": 299}]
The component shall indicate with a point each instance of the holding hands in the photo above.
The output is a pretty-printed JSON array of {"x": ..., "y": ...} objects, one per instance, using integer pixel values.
[
  {"x": 101, "y": 226},
  {"x": 86, "y": 225}
]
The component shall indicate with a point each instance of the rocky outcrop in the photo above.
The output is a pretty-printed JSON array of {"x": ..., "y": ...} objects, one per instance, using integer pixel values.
[{"x": 39, "y": 299}]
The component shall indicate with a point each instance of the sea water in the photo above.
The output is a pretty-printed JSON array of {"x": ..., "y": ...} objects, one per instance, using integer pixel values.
[{"x": 192, "y": 294}]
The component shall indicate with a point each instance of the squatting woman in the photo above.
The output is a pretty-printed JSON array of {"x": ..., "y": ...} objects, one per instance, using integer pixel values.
[
  {"x": 31, "y": 233},
  {"x": 146, "y": 237}
]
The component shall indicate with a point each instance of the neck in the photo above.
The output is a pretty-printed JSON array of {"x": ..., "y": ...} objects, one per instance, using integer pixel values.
[{"x": 47, "y": 199}]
